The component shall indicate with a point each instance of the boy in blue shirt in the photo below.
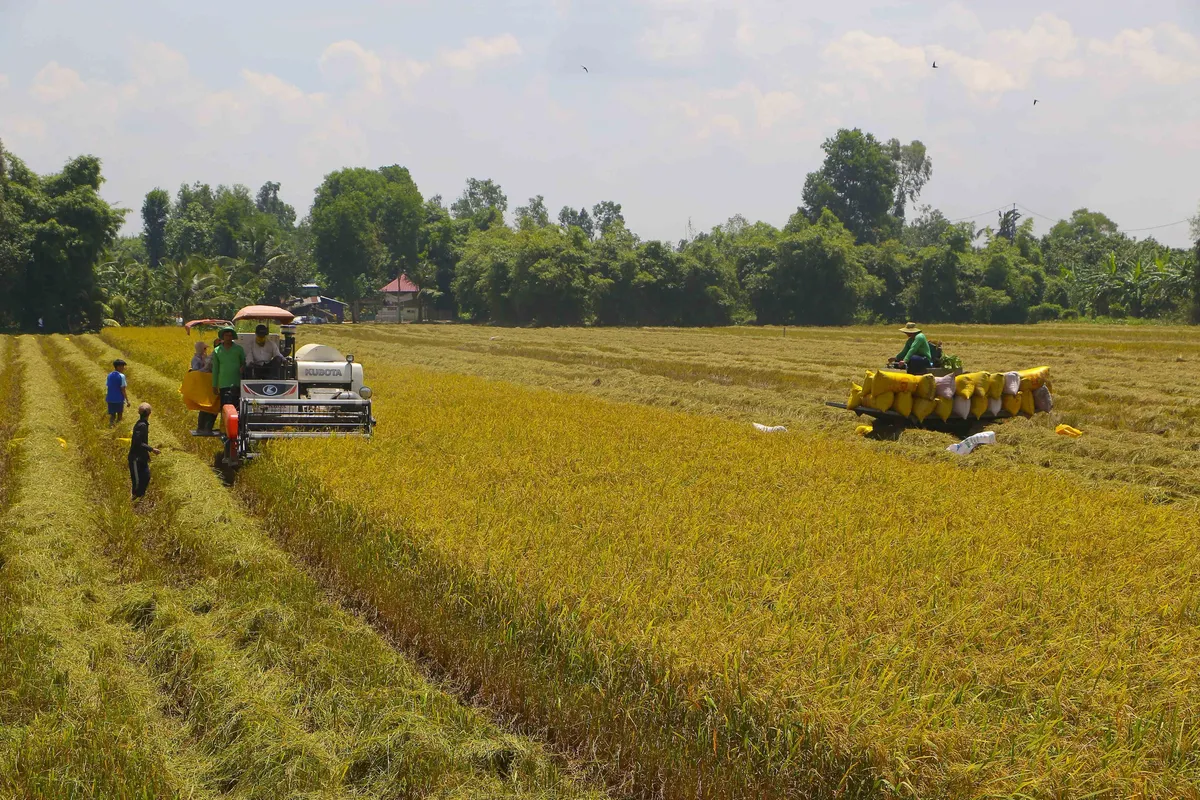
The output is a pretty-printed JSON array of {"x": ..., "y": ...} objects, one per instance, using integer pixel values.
[{"x": 116, "y": 396}]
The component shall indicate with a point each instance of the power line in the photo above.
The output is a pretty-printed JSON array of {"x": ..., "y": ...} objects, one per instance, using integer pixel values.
[
  {"x": 981, "y": 214},
  {"x": 1036, "y": 214},
  {"x": 1053, "y": 220},
  {"x": 1156, "y": 227}
]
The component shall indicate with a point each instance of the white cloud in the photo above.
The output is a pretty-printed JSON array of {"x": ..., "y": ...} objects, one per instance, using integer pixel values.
[
  {"x": 3, "y": 81},
  {"x": 155, "y": 64},
  {"x": 347, "y": 64},
  {"x": 975, "y": 74},
  {"x": 769, "y": 108},
  {"x": 877, "y": 57},
  {"x": 1140, "y": 49},
  {"x": 761, "y": 35},
  {"x": 406, "y": 72},
  {"x": 477, "y": 50},
  {"x": 55, "y": 83},
  {"x": 674, "y": 37}
]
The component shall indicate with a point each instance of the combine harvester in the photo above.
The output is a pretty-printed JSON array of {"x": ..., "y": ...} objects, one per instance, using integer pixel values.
[{"x": 316, "y": 392}]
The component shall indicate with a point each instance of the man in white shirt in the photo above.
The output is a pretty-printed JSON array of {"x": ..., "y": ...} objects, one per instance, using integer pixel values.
[{"x": 263, "y": 351}]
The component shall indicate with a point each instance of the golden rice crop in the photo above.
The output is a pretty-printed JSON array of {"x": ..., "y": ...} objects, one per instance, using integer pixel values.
[
  {"x": 282, "y": 692},
  {"x": 1124, "y": 386},
  {"x": 792, "y": 612}
]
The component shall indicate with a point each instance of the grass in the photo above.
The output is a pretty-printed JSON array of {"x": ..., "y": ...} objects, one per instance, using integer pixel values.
[
  {"x": 709, "y": 611},
  {"x": 283, "y": 692}
]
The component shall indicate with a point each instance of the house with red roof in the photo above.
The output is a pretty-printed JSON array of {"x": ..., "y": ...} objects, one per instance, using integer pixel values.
[{"x": 400, "y": 301}]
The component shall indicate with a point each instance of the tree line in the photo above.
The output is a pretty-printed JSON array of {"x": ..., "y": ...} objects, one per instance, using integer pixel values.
[{"x": 857, "y": 249}]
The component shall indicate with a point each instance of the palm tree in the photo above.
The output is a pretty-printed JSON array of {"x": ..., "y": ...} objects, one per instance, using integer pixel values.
[{"x": 191, "y": 288}]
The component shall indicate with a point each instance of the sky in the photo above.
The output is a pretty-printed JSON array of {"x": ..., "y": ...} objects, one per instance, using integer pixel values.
[{"x": 690, "y": 111}]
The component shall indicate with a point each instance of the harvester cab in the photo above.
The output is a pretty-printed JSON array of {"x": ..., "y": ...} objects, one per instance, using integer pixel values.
[{"x": 308, "y": 391}]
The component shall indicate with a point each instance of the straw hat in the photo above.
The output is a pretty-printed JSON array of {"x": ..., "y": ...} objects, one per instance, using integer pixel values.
[{"x": 910, "y": 328}]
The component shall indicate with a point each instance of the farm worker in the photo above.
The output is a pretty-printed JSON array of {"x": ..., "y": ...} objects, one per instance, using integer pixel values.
[
  {"x": 916, "y": 355},
  {"x": 201, "y": 362},
  {"x": 263, "y": 351},
  {"x": 116, "y": 396},
  {"x": 227, "y": 363},
  {"x": 139, "y": 452}
]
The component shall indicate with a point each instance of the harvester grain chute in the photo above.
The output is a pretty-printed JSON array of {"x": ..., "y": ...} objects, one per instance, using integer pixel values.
[{"x": 311, "y": 391}]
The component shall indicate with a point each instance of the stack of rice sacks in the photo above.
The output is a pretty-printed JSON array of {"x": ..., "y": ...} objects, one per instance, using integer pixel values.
[{"x": 978, "y": 395}]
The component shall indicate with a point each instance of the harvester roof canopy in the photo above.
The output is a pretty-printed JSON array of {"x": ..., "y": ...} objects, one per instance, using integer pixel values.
[
  {"x": 273, "y": 313},
  {"x": 205, "y": 323}
]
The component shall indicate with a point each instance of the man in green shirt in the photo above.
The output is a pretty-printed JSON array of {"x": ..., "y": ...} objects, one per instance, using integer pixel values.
[
  {"x": 916, "y": 356},
  {"x": 228, "y": 360}
]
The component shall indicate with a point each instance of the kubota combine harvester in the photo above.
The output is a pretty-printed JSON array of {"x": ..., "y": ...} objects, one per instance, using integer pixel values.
[{"x": 312, "y": 391}]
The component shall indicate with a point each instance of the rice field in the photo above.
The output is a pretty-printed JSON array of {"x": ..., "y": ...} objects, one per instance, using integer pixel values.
[
  {"x": 579, "y": 529},
  {"x": 173, "y": 650}
]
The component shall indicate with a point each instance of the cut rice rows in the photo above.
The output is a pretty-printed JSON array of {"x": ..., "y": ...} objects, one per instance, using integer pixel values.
[
  {"x": 705, "y": 611},
  {"x": 174, "y": 650}
]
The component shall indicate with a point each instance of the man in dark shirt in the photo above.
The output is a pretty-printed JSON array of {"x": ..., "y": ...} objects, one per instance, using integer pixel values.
[{"x": 139, "y": 452}]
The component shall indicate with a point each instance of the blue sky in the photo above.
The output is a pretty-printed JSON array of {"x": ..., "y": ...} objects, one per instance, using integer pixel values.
[{"x": 693, "y": 109}]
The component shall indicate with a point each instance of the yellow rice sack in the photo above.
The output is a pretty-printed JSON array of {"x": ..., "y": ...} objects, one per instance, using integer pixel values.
[
  {"x": 1011, "y": 403},
  {"x": 927, "y": 389},
  {"x": 944, "y": 405},
  {"x": 1035, "y": 378},
  {"x": 895, "y": 382},
  {"x": 868, "y": 386},
  {"x": 964, "y": 385},
  {"x": 922, "y": 408},
  {"x": 883, "y": 402},
  {"x": 995, "y": 386},
  {"x": 979, "y": 403},
  {"x": 856, "y": 396},
  {"x": 903, "y": 404},
  {"x": 1027, "y": 405}
]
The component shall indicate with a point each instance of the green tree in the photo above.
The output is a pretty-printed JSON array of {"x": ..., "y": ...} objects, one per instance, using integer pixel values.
[
  {"x": 606, "y": 213},
  {"x": 482, "y": 203},
  {"x": 190, "y": 226},
  {"x": 366, "y": 226},
  {"x": 441, "y": 242},
  {"x": 914, "y": 168},
  {"x": 570, "y": 218},
  {"x": 233, "y": 212},
  {"x": 533, "y": 215},
  {"x": 481, "y": 280},
  {"x": 926, "y": 230},
  {"x": 549, "y": 282},
  {"x": 156, "y": 210},
  {"x": 348, "y": 251},
  {"x": 940, "y": 289},
  {"x": 267, "y": 202},
  {"x": 191, "y": 288},
  {"x": 858, "y": 183},
  {"x": 815, "y": 279},
  {"x": 64, "y": 228}
]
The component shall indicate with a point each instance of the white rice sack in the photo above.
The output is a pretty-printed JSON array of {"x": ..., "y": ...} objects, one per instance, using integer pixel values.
[{"x": 962, "y": 407}]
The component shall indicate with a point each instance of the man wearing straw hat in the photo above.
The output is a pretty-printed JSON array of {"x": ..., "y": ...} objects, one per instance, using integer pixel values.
[{"x": 916, "y": 357}]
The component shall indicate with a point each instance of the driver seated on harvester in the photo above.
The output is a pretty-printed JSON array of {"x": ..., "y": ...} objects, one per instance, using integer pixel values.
[
  {"x": 916, "y": 357},
  {"x": 263, "y": 359}
]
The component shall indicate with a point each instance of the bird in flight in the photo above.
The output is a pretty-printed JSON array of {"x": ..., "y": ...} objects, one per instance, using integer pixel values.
[
  {"x": 1035, "y": 102},
  {"x": 935, "y": 66},
  {"x": 585, "y": 69}
]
